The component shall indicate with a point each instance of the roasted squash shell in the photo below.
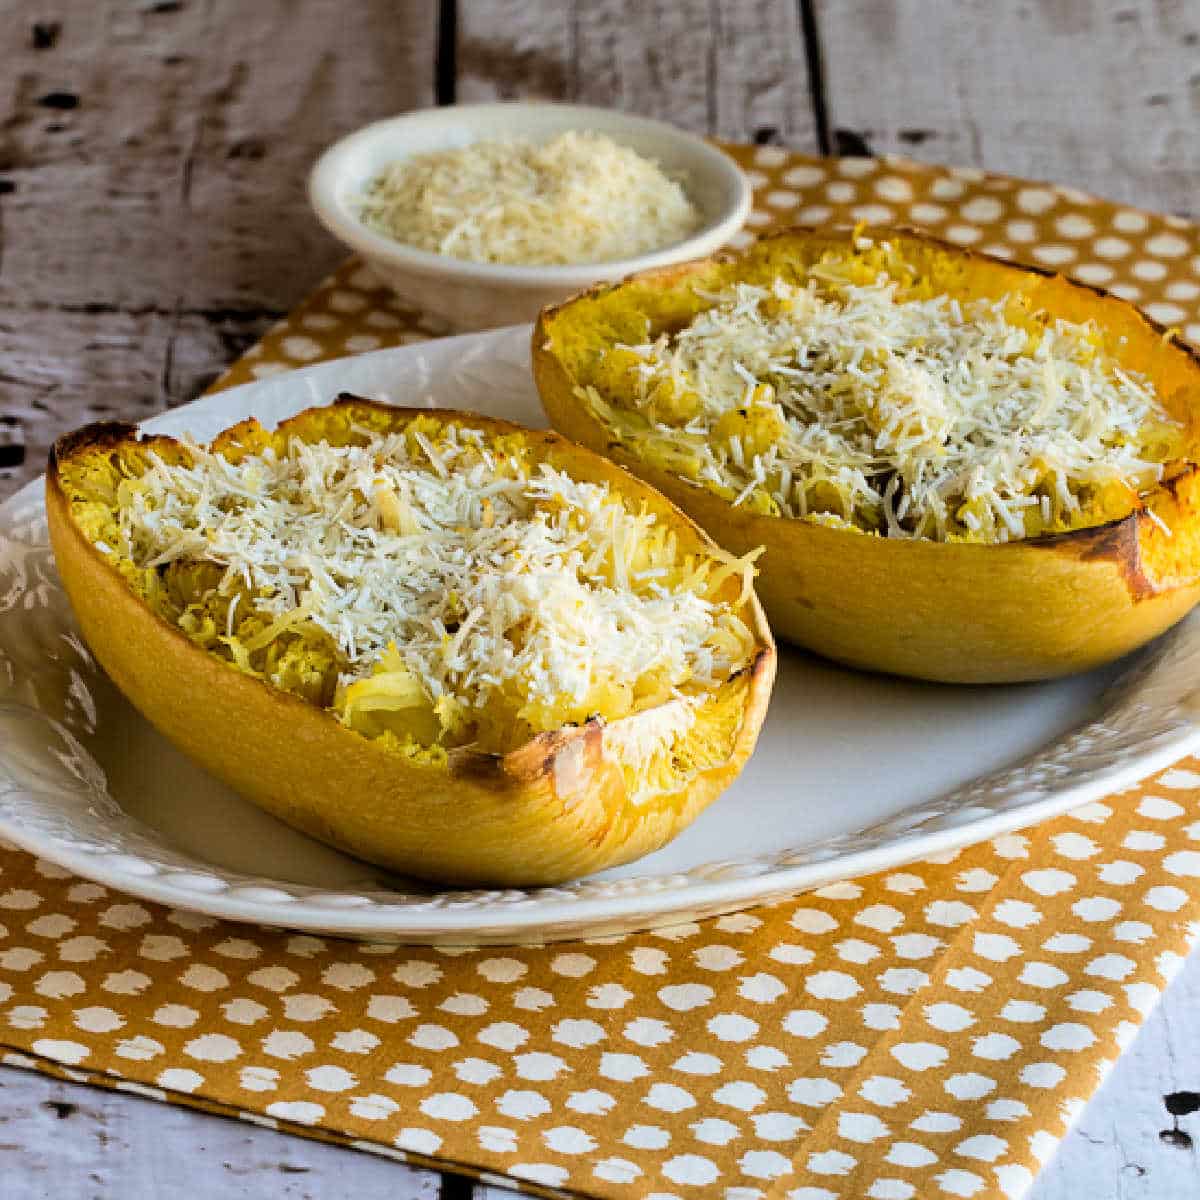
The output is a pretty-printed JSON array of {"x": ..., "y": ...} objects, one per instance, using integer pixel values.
[
  {"x": 553, "y": 809},
  {"x": 946, "y": 611}
]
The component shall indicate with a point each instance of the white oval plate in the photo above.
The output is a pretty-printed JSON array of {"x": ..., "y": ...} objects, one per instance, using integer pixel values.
[{"x": 854, "y": 773}]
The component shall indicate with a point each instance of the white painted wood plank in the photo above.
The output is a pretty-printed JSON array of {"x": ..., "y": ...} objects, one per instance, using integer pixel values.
[
  {"x": 107, "y": 365},
  {"x": 178, "y": 176},
  {"x": 731, "y": 68},
  {"x": 1115, "y": 1151},
  {"x": 1103, "y": 97},
  {"x": 153, "y": 158},
  {"x": 760, "y": 75},
  {"x": 514, "y": 50},
  {"x": 79, "y": 1143}
]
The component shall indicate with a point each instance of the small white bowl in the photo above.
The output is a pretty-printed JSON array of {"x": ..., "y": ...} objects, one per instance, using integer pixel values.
[{"x": 471, "y": 295}]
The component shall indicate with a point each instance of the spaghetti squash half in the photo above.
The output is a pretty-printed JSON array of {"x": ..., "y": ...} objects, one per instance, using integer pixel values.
[
  {"x": 467, "y": 651},
  {"x": 960, "y": 469}
]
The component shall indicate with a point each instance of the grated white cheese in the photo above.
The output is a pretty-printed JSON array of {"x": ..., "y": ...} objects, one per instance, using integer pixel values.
[
  {"x": 488, "y": 583},
  {"x": 843, "y": 401},
  {"x": 632, "y": 742},
  {"x": 578, "y": 198}
]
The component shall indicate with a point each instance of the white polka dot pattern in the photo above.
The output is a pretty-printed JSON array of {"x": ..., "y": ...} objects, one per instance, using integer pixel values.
[{"x": 923, "y": 1033}]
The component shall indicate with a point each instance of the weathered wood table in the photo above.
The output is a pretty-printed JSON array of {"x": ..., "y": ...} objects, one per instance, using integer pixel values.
[{"x": 153, "y": 224}]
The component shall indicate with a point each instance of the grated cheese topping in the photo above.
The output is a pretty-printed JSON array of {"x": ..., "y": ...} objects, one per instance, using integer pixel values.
[
  {"x": 578, "y": 198},
  {"x": 856, "y": 398},
  {"x": 462, "y": 594}
]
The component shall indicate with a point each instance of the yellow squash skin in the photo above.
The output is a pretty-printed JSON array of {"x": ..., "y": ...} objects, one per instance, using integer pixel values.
[
  {"x": 950, "y": 612},
  {"x": 551, "y": 810}
]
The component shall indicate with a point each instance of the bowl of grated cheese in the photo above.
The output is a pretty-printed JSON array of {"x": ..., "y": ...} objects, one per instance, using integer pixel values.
[{"x": 484, "y": 214}]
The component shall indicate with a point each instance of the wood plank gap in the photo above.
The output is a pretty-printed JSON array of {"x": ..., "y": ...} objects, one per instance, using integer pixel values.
[
  {"x": 456, "y": 1187},
  {"x": 816, "y": 74},
  {"x": 446, "y": 62}
]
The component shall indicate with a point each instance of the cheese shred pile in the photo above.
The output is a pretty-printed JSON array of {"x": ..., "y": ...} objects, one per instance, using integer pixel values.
[
  {"x": 434, "y": 585},
  {"x": 858, "y": 398},
  {"x": 578, "y": 198}
]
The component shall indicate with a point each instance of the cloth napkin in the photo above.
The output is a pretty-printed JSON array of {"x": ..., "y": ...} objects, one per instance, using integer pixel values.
[{"x": 927, "y": 1032}]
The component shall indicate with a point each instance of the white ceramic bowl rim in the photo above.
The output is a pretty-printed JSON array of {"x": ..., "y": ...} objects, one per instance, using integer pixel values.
[{"x": 336, "y": 215}]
